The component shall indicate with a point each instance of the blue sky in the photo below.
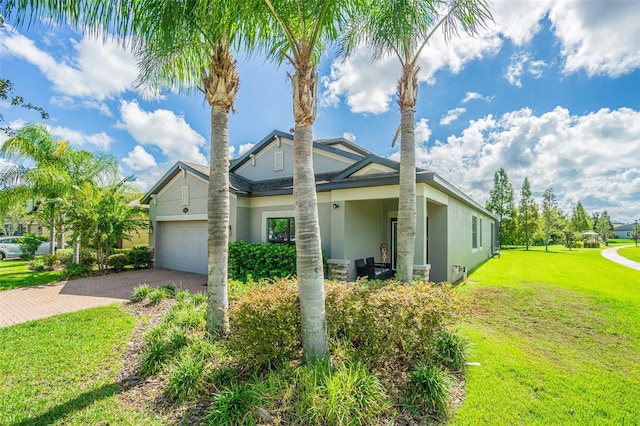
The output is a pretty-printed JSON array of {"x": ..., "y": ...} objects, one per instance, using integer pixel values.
[{"x": 551, "y": 91}]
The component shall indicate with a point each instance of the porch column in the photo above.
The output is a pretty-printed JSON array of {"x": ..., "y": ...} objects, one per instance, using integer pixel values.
[
  {"x": 338, "y": 269},
  {"x": 420, "y": 256}
]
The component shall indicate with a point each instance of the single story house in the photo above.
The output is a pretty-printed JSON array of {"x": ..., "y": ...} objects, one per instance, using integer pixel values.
[
  {"x": 357, "y": 209},
  {"x": 624, "y": 231}
]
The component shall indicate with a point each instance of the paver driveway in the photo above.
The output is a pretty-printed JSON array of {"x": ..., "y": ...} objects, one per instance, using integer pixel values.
[{"x": 31, "y": 303}]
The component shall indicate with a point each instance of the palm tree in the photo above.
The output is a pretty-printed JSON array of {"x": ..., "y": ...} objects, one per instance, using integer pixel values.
[
  {"x": 296, "y": 31},
  {"x": 45, "y": 177},
  {"x": 180, "y": 45},
  {"x": 403, "y": 28}
]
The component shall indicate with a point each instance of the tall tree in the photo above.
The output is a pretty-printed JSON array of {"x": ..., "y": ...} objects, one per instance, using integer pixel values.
[
  {"x": 403, "y": 28},
  {"x": 181, "y": 45},
  {"x": 580, "y": 221},
  {"x": 41, "y": 175},
  {"x": 528, "y": 218},
  {"x": 297, "y": 32},
  {"x": 603, "y": 226},
  {"x": 502, "y": 203},
  {"x": 551, "y": 218}
]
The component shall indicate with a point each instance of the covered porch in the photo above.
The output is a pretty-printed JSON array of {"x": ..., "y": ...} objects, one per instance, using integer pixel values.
[{"x": 364, "y": 225}]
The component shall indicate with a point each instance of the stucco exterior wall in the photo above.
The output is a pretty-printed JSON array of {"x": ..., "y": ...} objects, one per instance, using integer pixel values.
[
  {"x": 262, "y": 166},
  {"x": 168, "y": 202},
  {"x": 460, "y": 250},
  {"x": 438, "y": 244}
]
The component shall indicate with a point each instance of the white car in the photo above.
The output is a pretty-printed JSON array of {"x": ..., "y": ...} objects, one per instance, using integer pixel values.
[{"x": 10, "y": 249}]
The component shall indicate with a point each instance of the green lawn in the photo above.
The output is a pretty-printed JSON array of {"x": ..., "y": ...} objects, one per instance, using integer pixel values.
[
  {"x": 632, "y": 253},
  {"x": 62, "y": 370},
  {"x": 16, "y": 274},
  {"x": 558, "y": 337}
]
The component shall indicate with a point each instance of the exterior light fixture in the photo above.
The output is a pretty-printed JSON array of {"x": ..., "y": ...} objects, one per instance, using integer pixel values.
[{"x": 336, "y": 205}]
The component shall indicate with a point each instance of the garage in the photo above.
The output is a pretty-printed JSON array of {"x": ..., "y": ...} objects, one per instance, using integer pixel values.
[{"x": 182, "y": 245}]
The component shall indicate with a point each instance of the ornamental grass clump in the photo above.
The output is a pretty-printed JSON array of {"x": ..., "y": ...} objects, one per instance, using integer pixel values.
[{"x": 428, "y": 390}]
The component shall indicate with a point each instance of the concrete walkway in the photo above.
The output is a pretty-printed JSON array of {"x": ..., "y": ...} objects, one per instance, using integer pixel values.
[
  {"x": 612, "y": 255},
  {"x": 31, "y": 303}
]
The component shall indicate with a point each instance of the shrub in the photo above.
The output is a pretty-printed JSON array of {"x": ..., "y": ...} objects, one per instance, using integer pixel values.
[
  {"x": 578, "y": 244},
  {"x": 140, "y": 256},
  {"x": 117, "y": 261},
  {"x": 141, "y": 292},
  {"x": 38, "y": 265},
  {"x": 261, "y": 260},
  {"x": 410, "y": 315},
  {"x": 88, "y": 257},
  {"x": 28, "y": 244},
  {"x": 428, "y": 389},
  {"x": 76, "y": 270},
  {"x": 65, "y": 255},
  {"x": 51, "y": 260},
  {"x": 266, "y": 321},
  {"x": 450, "y": 350},
  {"x": 266, "y": 325}
]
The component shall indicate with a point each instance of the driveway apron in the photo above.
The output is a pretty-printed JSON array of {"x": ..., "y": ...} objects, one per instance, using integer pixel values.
[{"x": 32, "y": 303}]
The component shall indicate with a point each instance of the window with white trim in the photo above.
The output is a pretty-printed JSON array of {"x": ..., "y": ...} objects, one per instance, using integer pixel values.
[
  {"x": 480, "y": 232},
  {"x": 474, "y": 232},
  {"x": 281, "y": 230}
]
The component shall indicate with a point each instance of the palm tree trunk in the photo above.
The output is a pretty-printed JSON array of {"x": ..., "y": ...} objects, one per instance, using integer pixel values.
[
  {"x": 408, "y": 92},
  {"x": 309, "y": 267},
  {"x": 218, "y": 223},
  {"x": 220, "y": 83}
]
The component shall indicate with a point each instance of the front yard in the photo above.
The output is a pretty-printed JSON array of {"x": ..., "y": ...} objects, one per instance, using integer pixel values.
[
  {"x": 557, "y": 336},
  {"x": 16, "y": 274}
]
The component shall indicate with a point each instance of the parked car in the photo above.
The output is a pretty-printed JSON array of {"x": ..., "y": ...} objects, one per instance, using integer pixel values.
[{"x": 10, "y": 248}]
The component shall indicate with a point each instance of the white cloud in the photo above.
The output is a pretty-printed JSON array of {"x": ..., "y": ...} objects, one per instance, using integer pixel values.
[
  {"x": 97, "y": 69},
  {"x": 80, "y": 139},
  {"x": 67, "y": 102},
  {"x": 470, "y": 96},
  {"x": 139, "y": 160},
  {"x": 349, "y": 136},
  {"x": 452, "y": 115},
  {"x": 599, "y": 37},
  {"x": 245, "y": 147},
  {"x": 521, "y": 63},
  {"x": 164, "y": 130},
  {"x": 591, "y": 157}
]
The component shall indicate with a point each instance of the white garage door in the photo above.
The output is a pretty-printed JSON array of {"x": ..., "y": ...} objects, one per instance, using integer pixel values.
[{"x": 182, "y": 246}]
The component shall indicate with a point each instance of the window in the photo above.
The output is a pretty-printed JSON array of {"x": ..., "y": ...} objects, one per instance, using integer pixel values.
[
  {"x": 474, "y": 232},
  {"x": 281, "y": 230},
  {"x": 481, "y": 233},
  {"x": 278, "y": 163}
]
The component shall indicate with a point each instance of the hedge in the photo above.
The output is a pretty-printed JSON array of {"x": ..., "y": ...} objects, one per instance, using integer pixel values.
[{"x": 260, "y": 261}]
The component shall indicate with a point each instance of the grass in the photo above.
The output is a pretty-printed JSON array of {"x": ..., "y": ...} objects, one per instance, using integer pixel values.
[
  {"x": 632, "y": 253},
  {"x": 16, "y": 274},
  {"x": 557, "y": 335},
  {"x": 62, "y": 370}
]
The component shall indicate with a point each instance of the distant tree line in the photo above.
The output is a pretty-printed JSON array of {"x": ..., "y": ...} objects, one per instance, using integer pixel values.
[{"x": 525, "y": 223}]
